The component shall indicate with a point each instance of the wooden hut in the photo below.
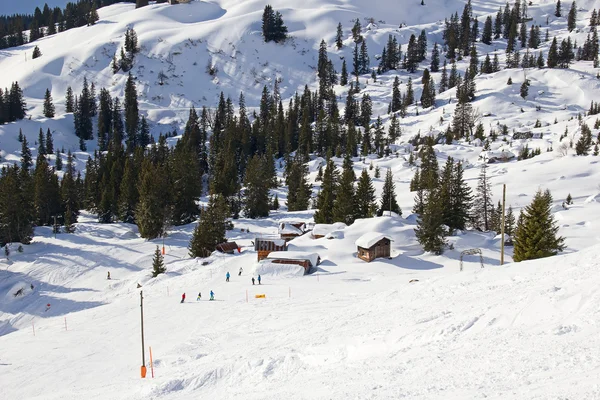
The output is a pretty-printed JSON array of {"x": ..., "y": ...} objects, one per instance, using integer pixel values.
[
  {"x": 265, "y": 245},
  {"x": 291, "y": 230},
  {"x": 374, "y": 245},
  {"x": 322, "y": 230},
  {"x": 306, "y": 260},
  {"x": 227, "y": 247}
]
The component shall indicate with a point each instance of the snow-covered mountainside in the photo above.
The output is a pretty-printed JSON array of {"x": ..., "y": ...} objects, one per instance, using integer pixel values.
[{"x": 413, "y": 326}]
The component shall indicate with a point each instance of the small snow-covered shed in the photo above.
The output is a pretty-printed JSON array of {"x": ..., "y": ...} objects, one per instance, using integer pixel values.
[
  {"x": 290, "y": 230},
  {"x": 306, "y": 260},
  {"x": 321, "y": 230},
  {"x": 374, "y": 245},
  {"x": 266, "y": 244},
  {"x": 228, "y": 247}
]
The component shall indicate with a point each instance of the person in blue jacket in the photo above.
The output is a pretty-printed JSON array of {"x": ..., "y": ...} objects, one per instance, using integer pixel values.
[
  {"x": 227, "y": 277},
  {"x": 212, "y": 295},
  {"x": 259, "y": 279}
]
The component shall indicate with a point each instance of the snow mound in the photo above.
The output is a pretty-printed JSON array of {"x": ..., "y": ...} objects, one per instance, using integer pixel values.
[
  {"x": 369, "y": 239},
  {"x": 266, "y": 267}
]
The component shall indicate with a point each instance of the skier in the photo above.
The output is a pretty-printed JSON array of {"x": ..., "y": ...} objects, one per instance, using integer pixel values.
[
  {"x": 240, "y": 273},
  {"x": 259, "y": 279},
  {"x": 227, "y": 277},
  {"x": 199, "y": 296},
  {"x": 253, "y": 280},
  {"x": 108, "y": 276},
  {"x": 183, "y": 297},
  {"x": 212, "y": 295}
]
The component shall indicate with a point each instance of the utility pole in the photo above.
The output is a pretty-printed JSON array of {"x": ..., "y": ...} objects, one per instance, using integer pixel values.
[
  {"x": 502, "y": 227},
  {"x": 142, "y": 321}
]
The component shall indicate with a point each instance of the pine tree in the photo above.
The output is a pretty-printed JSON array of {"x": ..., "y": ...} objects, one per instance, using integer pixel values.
[
  {"x": 210, "y": 230},
  {"x": 129, "y": 195},
  {"x": 48, "y": 105},
  {"x": 509, "y": 222},
  {"x": 483, "y": 206},
  {"x": 152, "y": 211},
  {"x": 486, "y": 36},
  {"x": 365, "y": 196},
  {"x": 524, "y": 89},
  {"x": 536, "y": 235},
  {"x": 584, "y": 144},
  {"x": 344, "y": 74},
  {"x": 430, "y": 230},
  {"x": 69, "y": 104},
  {"x": 299, "y": 190},
  {"x": 41, "y": 143},
  {"x": 339, "y": 37},
  {"x": 158, "y": 264},
  {"x": 553, "y": 54},
  {"x": 132, "y": 114},
  {"x": 256, "y": 182},
  {"x": 572, "y": 17},
  {"x": 388, "y": 197},
  {"x": 58, "y": 163},
  {"x": 344, "y": 206},
  {"x": 327, "y": 195},
  {"x": 49, "y": 141},
  {"x": 16, "y": 217}
]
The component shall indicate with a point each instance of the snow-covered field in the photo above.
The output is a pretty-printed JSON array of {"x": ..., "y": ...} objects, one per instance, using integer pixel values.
[{"x": 349, "y": 330}]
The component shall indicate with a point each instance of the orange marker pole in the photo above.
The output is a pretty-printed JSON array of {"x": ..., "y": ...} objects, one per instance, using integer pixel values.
[{"x": 151, "y": 363}]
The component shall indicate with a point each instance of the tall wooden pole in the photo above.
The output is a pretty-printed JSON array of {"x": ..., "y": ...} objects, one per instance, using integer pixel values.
[
  {"x": 142, "y": 324},
  {"x": 502, "y": 227}
]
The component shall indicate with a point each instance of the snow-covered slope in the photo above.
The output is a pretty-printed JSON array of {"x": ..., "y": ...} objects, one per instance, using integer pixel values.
[{"x": 349, "y": 330}]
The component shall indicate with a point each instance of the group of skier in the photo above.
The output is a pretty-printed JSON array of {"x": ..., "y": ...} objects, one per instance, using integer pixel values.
[
  {"x": 212, "y": 294},
  {"x": 228, "y": 275}
]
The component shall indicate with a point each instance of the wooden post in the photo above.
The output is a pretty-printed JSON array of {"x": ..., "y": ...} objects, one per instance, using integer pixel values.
[
  {"x": 151, "y": 362},
  {"x": 502, "y": 227}
]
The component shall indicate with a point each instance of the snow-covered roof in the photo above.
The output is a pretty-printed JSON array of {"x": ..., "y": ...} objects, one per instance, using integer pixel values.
[
  {"x": 294, "y": 255},
  {"x": 286, "y": 228},
  {"x": 367, "y": 240},
  {"x": 324, "y": 229},
  {"x": 335, "y": 235}
]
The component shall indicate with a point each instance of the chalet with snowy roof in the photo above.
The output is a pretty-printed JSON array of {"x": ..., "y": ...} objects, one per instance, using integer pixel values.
[
  {"x": 305, "y": 260},
  {"x": 228, "y": 247},
  {"x": 291, "y": 230},
  {"x": 374, "y": 245},
  {"x": 267, "y": 244},
  {"x": 322, "y": 230}
]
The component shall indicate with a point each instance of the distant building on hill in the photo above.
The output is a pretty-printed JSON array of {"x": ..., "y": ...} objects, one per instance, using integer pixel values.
[{"x": 291, "y": 230}]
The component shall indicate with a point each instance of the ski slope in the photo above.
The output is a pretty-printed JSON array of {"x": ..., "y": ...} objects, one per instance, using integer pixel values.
[{"x": 349, "y": 330}]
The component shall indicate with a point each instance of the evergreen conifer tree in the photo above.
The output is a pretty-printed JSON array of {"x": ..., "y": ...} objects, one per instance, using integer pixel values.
[
  {"x": 483, "y": 206},
  {"x": 344, "y": 206},
  {"x": 152, "y": 211},
  {"x": 256, "y": 183},
  {"x": 536, "y": 235},
  {"x": 388, "y": 197},
  {"x": 48, "y": 105},
  {"x": 327, "y": 195},
  {"x": 299, "y": 190},
  {"x": 365, "y": 196},
  {"x": 430, "y": 230},
  {"x": 69, "y": 104},
  {"x": 158, "y": 264},
  {"x": 572, "y": 17},
  {"x": 132, "y": 114},
  {"x": 210, "y": 230}
]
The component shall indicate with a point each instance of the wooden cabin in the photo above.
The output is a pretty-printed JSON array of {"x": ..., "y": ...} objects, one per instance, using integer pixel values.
[
  {"x": 306, "y": 260},
  {"x": 227, "y": 247},
  {"x": 291, "y": 230},
  {"x": 374, "y": 245},
  {"x": 323, "y": 230},
  {"x": 265, "y": 245}
]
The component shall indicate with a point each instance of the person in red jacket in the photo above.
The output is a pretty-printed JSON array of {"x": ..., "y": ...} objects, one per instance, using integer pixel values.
[{"x": 183, "y": 297}]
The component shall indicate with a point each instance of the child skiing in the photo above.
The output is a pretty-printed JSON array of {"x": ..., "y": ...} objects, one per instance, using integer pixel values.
[
  {"x": 199, "y": 296},
  {"x": 259, "y": 279},
  {"x": 240, "y": 273},
  {"x": 227, "y": 277},
  {"x": 212, "y": 295},
  {"x": 183, "y": 297},
  {"x": 253, "y": 280}
]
